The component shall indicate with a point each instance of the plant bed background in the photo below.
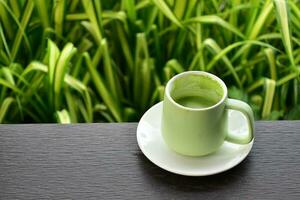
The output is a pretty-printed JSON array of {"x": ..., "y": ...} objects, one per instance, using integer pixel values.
[{"x": 104, "y": 61}]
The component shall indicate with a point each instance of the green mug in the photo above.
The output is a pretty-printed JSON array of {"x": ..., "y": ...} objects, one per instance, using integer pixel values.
[{"x": 195, "y": 118}]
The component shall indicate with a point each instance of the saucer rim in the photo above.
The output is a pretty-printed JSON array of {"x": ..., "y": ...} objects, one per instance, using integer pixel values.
[{"x": 187, "y": 173}]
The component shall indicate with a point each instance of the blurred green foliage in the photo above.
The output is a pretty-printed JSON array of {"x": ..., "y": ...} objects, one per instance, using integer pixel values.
[{"x": 90, "y": 60}]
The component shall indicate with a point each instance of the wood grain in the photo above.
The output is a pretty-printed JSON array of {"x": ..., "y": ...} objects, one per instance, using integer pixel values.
[{"x": 103, "y": 161}]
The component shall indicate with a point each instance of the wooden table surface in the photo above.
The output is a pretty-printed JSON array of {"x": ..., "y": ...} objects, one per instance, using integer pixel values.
[{"x": 103, "y": 161}]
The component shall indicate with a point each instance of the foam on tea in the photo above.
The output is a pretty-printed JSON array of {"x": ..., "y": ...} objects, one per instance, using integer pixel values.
[{"x": 196, "y": 91}]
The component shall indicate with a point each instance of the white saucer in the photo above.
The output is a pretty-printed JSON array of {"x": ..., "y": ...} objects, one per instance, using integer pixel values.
[{"x": 154, "y": 148}]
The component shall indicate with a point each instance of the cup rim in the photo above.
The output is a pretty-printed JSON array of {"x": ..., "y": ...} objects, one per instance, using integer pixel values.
[{"x": 214, "y": 77}]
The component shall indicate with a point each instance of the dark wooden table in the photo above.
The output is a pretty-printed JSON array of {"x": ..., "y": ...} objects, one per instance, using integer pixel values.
[{"x": 103, "y": 161}]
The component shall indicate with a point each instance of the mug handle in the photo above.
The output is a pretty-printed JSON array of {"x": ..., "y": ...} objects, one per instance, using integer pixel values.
[{"x": 247, "y": 111}]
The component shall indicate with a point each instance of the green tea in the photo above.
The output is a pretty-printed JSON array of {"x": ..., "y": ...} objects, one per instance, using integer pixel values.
[
  {"x": 196, "y": 91},
  {"x": 196, "y": 101}
]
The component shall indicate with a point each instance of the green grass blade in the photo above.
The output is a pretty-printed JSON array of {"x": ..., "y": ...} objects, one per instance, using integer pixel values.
[
  {"x": 283, "y": 21},
  {"x": 83, "y": 111},
  {"x": 99, "y": 11},
  {"x": 198, "y": 61},
  {"x": 271, "y": 61},
  {"x": 15, "y": 7},
  {"x": 59, "y": 15},
  {"x": 164, "y": 8},
  {"x": 111, "y": 15},
  {"x": 63, "y": 117},
  {"x": 295, "y": 23},
  {"x": 89, "y": 106},
  {"x": 75, "y": 84},
  {"x": 261, "y": 20},
  {"x": 295, "y": 16},
  {"x": 71, "y": 106},
  {"x": 67, "y": 53},
  {"x": 82, "y": 89},
  {"x": 295, "y": 8},
  {"x": 73, "y": 5},
  {"x": 4, "y": 18},
  {"x": 3, "y": 40},
  {"x": 158, "y": 94},
  {"x": 54, "y": 53},
  {"x": 151, "y": 19},
  {"x": 217, "y": 50},
  {"x": 199, "y": 27},
  {"x": 89, "y": 27},
  {"x": 141, "y": 54},
  {"x": 283, "y": 94},
  {"x": 4, "y": 60},
  {"x": 213, "y": 19},
  {"x": 125, "y": 46},
  {"x": 95, "y": 61},
  {"x": 175, "y": 65},
  {"x": 21, "y": 31},
  {"x": 245, "y": 48},
  {"x": 287, "y": 78},
  {"x": 161, "y": 91},
  {"x": 7, "y": 84},
  {"x": 23, "y": 24},
  {"x": 102, "y": 90},
  {"x": 258, "y": 26},
  {"x": 295, "y": 91},
  {"x": 20, "y": 108},
  {"x": 269, "y": 96},
  {"x": 229, "y": 48},
  {"x": 42, "y": 9},
  {"x": 94, "y": 23},
  {"x": 253, "y": 16},
  {"x": 77, "y": 17},
  {"x": 34, "y": 66},
  {"x": 8, "y": 75},
  {"x": 130, "y": 8},
  {"x": 157, "y": 44},
  {"x": 103, "y": 111},
  {"x": 5, "y": 107},
  {"x": 260, "y": 82},
  {"x": 78, "y": 66},
  {"x": 142, "y": 4},
  {"x": 168, "y": 73},
  {"x": 180, "y": 8},
  {"x": 108, "y": 69},
  {"x": 146, "y": 73},
  {"x": 85, "y": 45}
]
